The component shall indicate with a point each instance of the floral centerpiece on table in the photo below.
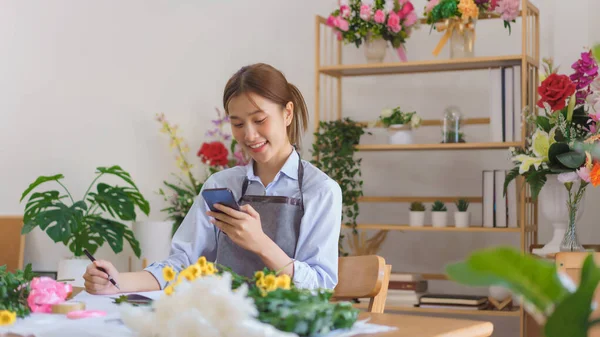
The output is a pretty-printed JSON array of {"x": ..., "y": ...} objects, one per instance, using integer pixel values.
[
  {"x": 201, "y": 295},
  {"x": 461, "y": 15},
  {"x": 562, "y": 138},
  {"x": 357, "y": 21},
  {"x": 216, "y": 154},
  {"x": 395, "y": 116}
]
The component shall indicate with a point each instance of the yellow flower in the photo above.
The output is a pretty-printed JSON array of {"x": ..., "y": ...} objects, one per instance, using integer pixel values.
[
  {"x": 270, "y": 281},
  {"x": 186, "y": 274},
  {"x": 202, "y": 261},
  {"x": 259, "y": 274},
  {"x": 284, "y": 281},
  {"x": 194, "y": 270},
  {"x": 469, "y": 9},
  {"x": 168, "y": 274},
  {"x": 7, "y": 317},
  {"x": 210, "y": 269},
  {"x": 169, "y": 290},
  {"x": 261, "y": 283},
  {"x": 527, "y": 161}
]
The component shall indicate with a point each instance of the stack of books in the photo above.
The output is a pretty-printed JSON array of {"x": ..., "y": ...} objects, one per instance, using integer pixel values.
[
  {"x": 452, "y": 301},
  {"x": 405, "y": 290}
]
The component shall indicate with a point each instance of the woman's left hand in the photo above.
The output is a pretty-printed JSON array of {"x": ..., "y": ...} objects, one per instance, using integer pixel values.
[{"x": 242, "y": 227}]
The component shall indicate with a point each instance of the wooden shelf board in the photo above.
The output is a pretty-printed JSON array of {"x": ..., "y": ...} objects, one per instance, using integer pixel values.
[
  {"x": 434, "y": 122},
  {"x": 391, "y": 68},
  {"x": 436, "y": 146},
  {"x": 515, "y": 312},
  {"x": 421, "y": 199},
  {"x": 429, "y": 228}
]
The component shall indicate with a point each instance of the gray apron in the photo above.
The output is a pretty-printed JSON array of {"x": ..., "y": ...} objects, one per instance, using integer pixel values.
[{"x": 280, "y": 218}]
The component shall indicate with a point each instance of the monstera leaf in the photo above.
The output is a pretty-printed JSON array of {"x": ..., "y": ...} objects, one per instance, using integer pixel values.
[
  {"x": 114, "y": 232},
  {"x": 50, "y": 214}
]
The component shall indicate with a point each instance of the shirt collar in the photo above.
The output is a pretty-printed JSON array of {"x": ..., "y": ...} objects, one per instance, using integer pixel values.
[{"x": 289, "y": 168}]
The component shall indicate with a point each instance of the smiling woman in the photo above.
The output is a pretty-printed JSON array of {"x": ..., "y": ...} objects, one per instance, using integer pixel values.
[{"x": 290, "y": 211}]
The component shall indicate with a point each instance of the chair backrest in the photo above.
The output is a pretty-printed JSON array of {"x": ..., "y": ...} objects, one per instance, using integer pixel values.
[
  {"x": 571, "y": 264},
  {"x": 12, "y": 243},
  {"x": 363, "y": 277}
]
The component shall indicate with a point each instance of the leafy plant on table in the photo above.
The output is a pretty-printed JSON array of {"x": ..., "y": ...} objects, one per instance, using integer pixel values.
[
  {"x": 14, "y": 290},
  {"x": 551, "y": 298},
  {"x": 83, "y": 224}
]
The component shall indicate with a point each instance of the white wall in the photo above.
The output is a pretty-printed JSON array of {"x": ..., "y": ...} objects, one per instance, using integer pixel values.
[{"x": 82, "y": 81}]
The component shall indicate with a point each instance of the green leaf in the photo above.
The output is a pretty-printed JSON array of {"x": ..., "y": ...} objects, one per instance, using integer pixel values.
[
  {"x": 555, "y": 150},
  {"x": 40, "y": 180},
  {"x": 86, "y": 238},
  {"x": 571, "y": 316},
  {"x": 536, "y": 181},
  {"x": 510, "y": 176},
  {"x": 50, "y": 214},
  {"x": 534, "y": 278},
  {"x": 115, "y": 200},
  {"x": 571, "y": 159},
  {"x": 114, "y": 232},
  {"x": 119, "y": 172},
  {"x": 544, "y": 123}
]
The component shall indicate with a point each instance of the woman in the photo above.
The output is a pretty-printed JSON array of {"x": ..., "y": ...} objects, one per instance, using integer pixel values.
[{"x": 290, "y": 214}]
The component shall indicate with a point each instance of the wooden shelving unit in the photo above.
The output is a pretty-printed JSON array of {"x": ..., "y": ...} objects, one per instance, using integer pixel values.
[{"x": 330, "y": 71}]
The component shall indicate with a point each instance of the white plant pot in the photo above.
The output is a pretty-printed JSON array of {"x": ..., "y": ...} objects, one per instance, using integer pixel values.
[
  {"x": 552, "y": 202},
  {"x": 400, "y": 134},
  {"x": 417, "y": 219},
  {"x": 375, "y": 50},
  {"x": 73, "y": 268},
  {"x": 439, "y": 219},
  {"x": 462, "y": 219}
]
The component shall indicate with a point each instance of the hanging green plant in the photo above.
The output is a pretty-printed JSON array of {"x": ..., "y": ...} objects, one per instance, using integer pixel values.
[{"x": 333, "y": 153}]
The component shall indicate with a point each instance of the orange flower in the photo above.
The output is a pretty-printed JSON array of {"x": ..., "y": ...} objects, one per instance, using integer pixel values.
[{"x": 595, "y": 175}]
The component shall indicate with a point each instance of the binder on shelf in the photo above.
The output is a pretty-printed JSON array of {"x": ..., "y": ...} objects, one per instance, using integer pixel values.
[
  {"x": 505, "y": 104},
  {"x": 499, "y": 210}
]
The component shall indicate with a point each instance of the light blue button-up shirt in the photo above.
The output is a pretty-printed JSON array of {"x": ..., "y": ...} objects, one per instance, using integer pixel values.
[{"x": 316, "y": 260}]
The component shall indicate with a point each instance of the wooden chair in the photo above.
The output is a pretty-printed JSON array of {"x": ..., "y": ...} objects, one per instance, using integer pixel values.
[
  {"x": 12, "y": 243},
  {"x": 363, "y": 277}
]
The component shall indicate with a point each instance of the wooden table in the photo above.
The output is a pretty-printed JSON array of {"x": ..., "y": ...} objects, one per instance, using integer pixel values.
[{"x": 423, "y": 326}]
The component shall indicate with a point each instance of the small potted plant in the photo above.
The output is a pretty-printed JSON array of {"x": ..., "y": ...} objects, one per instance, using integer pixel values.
[
  {"x": 439, "y": 214},
  {"x": 461, "y": 217},
  {"x": 417, "y": 214},
  {"x": 400, "y": 124}
]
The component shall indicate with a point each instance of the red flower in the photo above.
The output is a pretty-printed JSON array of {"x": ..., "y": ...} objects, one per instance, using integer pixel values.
[
  {"x": 555, "y": 90},
  {"x": 214, "y": 154}
]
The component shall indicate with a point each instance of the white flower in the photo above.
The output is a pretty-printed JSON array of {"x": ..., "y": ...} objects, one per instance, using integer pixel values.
[
  {"x": 568, "y": 177},
  {"x": 388, "y": 6},
  {"x": 368, "y": 2},
  {"x": 386, "y": 113},
  {"x": 415, "y": 121}
]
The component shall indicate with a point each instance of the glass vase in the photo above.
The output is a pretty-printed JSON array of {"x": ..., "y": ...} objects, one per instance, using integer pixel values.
[
  {"x": 570, "y": 242},
  {"x": 462, "y": 40}
]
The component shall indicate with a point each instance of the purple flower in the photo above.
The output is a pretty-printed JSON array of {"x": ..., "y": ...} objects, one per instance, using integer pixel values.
[
  {"x": 586, "y": 70},
  {"x": 481, "y": 3}
]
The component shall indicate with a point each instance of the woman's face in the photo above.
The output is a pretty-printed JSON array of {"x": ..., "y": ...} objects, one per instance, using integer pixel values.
[{"x": 260, "y": 130}]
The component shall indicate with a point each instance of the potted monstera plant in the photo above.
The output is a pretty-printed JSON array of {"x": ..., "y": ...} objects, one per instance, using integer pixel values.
[{"x": 86, "y": 223}]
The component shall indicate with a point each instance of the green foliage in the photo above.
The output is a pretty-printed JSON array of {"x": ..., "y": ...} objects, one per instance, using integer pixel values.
[
  {"x": 180, "y": 198},
  {"x": 85, "y": 224},
  {"x": 438, "y": 206},
  {"x": 417, "y": 206},
  {"x": 14, "y": 290},
  {"x": 462, "y": 205},
  {"x": 446, "y": 9},
  {"x": 396, "y": 116},
  {"x": 333, "y": 153},
  {"x": 451, "y": 136},
  {"x": 565, "y": 313}
]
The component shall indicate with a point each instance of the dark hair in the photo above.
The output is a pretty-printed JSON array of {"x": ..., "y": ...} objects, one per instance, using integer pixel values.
[{"x": 268, "y": 82}]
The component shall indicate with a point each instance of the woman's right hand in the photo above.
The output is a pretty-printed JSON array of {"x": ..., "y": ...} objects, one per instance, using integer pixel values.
[{"x": 96, "y": 281}]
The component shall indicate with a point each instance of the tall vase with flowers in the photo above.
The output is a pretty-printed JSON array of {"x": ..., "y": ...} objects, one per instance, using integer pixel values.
[
  {"x": 457, "y": 18},
  {"x": 216, "y": 156},
  {"x": 562, "y": 139},
  {"x": 374, "y": 22}
]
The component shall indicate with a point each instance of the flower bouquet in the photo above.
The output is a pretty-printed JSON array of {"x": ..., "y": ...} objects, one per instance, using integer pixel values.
[
  {"x": 562, "y": 138},
  {"x": 214, "y": 154},
  {"x": 368, "y": 21},
  {"x": 458, "y": 17},
  {"x": 203, "y": 294},
  {"x": 399, "y": 124}
]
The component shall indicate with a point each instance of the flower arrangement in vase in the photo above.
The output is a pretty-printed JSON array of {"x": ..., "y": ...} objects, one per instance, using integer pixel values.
[
  {"x": 461, "y": 216},
  {"x": 457, "y": 18},
  {"x": 400, "y": 124},
  {"x": 266, "y": 304},
  {"x": 417, "y": 214},
  {"x": 563, "y": 138},
  {"x": 439, "y": 214},
  {"x": 374, "y": 22},
  {"x": 216, "y": 156}
]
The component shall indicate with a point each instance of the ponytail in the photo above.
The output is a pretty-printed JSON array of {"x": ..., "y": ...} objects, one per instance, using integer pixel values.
[{"x": 300, "y": 119}]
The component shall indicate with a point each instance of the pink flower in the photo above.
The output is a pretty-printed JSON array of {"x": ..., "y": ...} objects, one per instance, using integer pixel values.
[
  {"x": 365, "y": 12},
  {"x": 406, "y": 9},
  {"x": 584, "y": 173},
  {"x": 410, "y": 19},
  {"x": 379, "y": 16},
  {"x": 493, "y": 4},
  {"x": 567, "y": 177},
  {"x": 508, "y": 9},
  {"x": 345, "y": 10},
  {"x": 394, "y": 22},
  {"x": 44, "y": 292},
  {"x": 343, "y": 25},
  {"x": 430, "y": 5},
  {"x": 332, "y": 21},
  {"x": 339, "y": 35}
]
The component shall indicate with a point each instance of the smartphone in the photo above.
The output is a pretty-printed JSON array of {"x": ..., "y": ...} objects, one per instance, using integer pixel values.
[{"x": 222, "y": 196}]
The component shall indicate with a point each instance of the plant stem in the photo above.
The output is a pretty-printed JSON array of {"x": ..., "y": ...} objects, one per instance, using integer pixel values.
[
  {"x": 92, "y": 184},
  {"x": 69, "y": 193}
]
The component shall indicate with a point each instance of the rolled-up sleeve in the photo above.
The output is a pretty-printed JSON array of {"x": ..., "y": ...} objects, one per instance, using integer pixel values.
[
  {"x": 195, "y": 237},
  {"x": 316, "y": 260}
]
